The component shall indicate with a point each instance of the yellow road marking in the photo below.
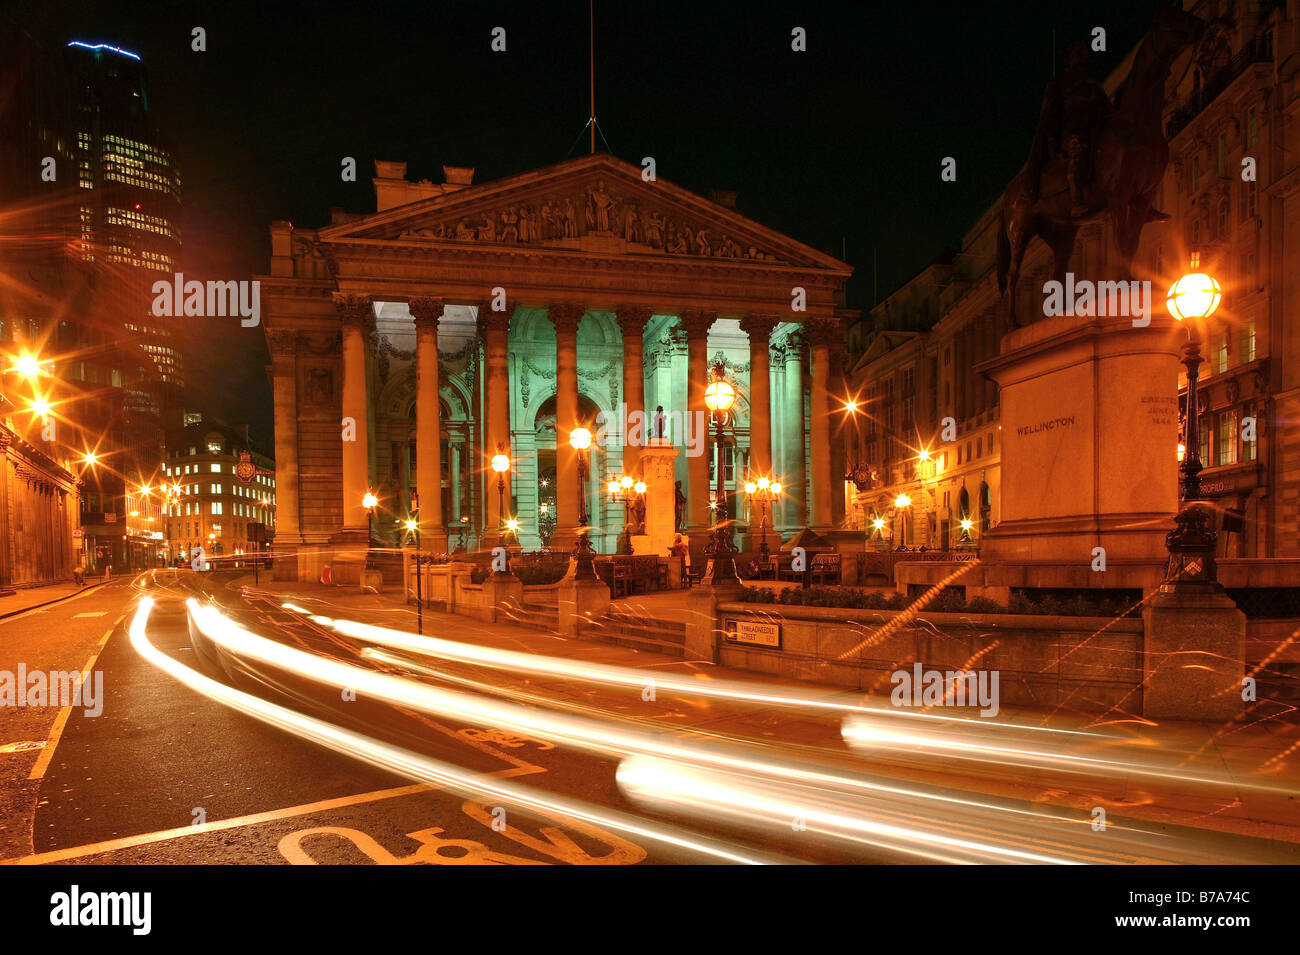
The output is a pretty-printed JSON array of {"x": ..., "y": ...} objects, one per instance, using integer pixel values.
[
  {"x": 180, "y": 832},
  {"x": 60, "y": 721}
]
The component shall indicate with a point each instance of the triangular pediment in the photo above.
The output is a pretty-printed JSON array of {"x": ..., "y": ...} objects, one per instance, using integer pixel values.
[{"x": 592, "y": 203}]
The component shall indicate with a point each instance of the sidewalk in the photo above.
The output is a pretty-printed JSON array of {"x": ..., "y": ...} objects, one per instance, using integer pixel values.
[
  {"x": 1249, "y": 754},
  {"x": 29, "y": 597}
]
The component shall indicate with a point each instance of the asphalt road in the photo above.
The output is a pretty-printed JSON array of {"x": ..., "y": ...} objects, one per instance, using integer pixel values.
[{"x": 169, "y": 775}]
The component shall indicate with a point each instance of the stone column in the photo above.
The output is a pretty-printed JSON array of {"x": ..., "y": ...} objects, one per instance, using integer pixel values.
[
  {"x": 283, "y": 346},
  {"x": 759, "y": 329},
  {"x": 566, "y": 318},
  {"x": 428, "y": 425},
  {"x": 699, "y": 518},
  {"x": 496, "y": 386},
  {"x": 632, "y": 320},
  {"x": 358, "y": 315},
  {"x": 823, "y": 333},
  {"x": 796, "y": 514}
]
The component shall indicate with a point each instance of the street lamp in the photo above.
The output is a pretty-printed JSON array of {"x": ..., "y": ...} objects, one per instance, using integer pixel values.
[
  {"x": 764, "y": 491},
  {"x": 583, "y": 552},
  {"x": 902, "y": 502},
  {"x": 879, "y": 524},
  {"x": 625, "y": 490},
  {"x": 369, "y": 502},
  {"x": 1195, "y": 295},
  {"x": 501, "y": 464},
  {"x": 719, "y": 396}
]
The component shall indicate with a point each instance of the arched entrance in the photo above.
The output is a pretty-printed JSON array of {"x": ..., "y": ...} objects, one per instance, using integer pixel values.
[{"x": 545, "y": 493}]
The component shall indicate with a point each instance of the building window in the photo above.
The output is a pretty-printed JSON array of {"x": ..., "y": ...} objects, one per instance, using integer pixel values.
[
  {"x": 1248, "y": 341},
  {"x": 1206, "y": 430},
  {"x": 216, "y": 468},
  {"x": 1221, "y": 355},
  {"x": 1227, "y": 443},
  {"x": 216, "y": 507}
]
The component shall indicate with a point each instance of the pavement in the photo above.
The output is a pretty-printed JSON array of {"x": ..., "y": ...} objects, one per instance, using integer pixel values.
[{"x": 16, "y": 601}]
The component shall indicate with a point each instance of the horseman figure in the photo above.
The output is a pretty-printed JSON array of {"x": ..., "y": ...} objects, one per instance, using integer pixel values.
[{"x": 1092, "y": 155}]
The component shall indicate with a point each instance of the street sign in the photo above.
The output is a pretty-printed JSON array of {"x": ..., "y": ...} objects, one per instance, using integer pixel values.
[{"x": 756, "y": 633}]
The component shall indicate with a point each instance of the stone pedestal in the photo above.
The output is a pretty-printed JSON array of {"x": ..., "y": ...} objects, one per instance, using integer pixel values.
[
  {"x": 702, "y": 621},
  {"x": 348, "y": 552},
  {"x": 1089, "y": 440},
  {"x": 502, "y": 591},
  {"x": 1194, "y": 658},
  {"x": 579, "y": 601},
  {"x": 657, "y": 459}
]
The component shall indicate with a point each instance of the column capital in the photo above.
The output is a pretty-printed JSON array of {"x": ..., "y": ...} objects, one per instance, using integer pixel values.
[
  {"x": 427, "y": 311},
  {"x": 632, "y": 319},
  {"x": 357, "y": 311},
  {"x": 824, "y": 332},
  {"x": 566, "y": 316},
  {"x": 758, "y": 328},
  {"x": 697, "y": 321},
  {"x": 489, "y": 319},
  {"x": 794, "y": 345}
]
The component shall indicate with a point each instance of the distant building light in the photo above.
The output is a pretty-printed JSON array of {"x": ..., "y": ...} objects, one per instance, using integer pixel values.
[{"x": 103, "y": 46}]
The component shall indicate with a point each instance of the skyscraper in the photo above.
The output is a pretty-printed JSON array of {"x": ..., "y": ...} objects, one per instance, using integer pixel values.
[{"x": 130, "y": 199}]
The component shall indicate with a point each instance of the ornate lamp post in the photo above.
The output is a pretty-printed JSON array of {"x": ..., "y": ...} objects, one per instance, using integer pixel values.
[
  {"x": 719, "y": 396},
  {"x": 879, "y": 524},
  {"x": 583, "y": 552},
  {"x": 626, "y": 490},
  {"x": 501, "y": 464},
  {"x": 902, "y": 502},
  {"x": 413, "y": 527},
  {"x": 1191, "y": 543},
  {"x": 764, "y": 491}
]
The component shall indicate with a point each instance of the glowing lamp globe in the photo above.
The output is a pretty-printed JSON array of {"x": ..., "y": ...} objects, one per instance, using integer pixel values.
[
  {"x": 750, "y": 487},
  {"x": 626, "y": 481},
  {"x": 1195, "y": 295},
  {"x": 369, "y": 501},
  {"x": 719, "y": 396},
  {"x": 639, "y": 487},
  {"x": 500, "y": 463},
  {"x": 966, "y": 523},
  {"x": 411, "y": 525},
  {"x": 580, "y": 439},
  {"x": 764, "y": 484},
  {"x": 878, "y": 523},
  {"x": 902, "y": 501},
  {"x": 512, "y": 524},
  {"x": 613, "y": 487},
  {"x": 776, "y": 487}
]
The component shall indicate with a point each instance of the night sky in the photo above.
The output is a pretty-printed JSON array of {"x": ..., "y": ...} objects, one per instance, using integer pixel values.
[{"x": 839, "y": 146}]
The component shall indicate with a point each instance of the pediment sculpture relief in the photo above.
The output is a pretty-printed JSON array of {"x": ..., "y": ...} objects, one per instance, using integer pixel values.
[{"x": 595, "y": 210}]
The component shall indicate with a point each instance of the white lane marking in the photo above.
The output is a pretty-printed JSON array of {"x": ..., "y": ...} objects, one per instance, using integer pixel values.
[{"x": 93, "y": 613}]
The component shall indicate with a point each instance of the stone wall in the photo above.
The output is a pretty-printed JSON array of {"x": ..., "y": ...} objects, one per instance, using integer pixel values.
[{"x": 1085, "y": 663}]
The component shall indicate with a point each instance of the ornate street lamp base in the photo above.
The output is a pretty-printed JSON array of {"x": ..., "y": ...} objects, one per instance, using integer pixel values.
[
  {"x": 1191, "y": 567},
  {"x": 584, "y": 554}
]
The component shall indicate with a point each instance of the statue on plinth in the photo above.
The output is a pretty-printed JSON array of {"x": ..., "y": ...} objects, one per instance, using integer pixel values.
[{"x": 1092, "y": 156}]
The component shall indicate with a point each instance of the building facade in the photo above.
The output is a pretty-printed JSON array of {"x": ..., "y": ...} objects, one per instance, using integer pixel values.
[
  {"x": 411, "y": 345},
  {"x": 218, "y": 491},
  {"x": 1231, "y": 193}
]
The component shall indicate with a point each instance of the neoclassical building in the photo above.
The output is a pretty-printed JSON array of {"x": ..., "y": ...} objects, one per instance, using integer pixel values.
[{"x": 459, "y": 320}]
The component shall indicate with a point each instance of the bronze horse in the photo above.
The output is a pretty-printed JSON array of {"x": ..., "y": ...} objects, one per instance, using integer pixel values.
[{"x": 1129, "y": 157}]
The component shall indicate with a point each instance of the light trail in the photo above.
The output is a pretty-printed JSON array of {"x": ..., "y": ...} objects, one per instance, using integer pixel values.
[
  {"x": 610, "y": 675},
  {"x": 416, "y": 766},
  {"x": 870, "y": 735},
  {"x": 610, "y": 739}
]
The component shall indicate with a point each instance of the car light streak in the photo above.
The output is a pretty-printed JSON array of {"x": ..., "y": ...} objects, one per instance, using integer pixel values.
[
  {"x": 609, "y": 738},
  {"x": 767, "y": 804},
  {"x": 607, "y": 674},
  {"x": 416, "y": 766},
  {"x": 865, "y": 734}
]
